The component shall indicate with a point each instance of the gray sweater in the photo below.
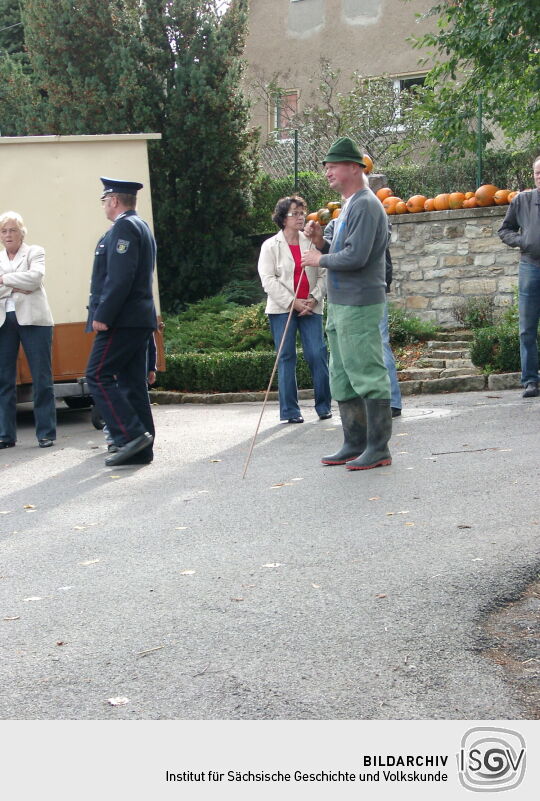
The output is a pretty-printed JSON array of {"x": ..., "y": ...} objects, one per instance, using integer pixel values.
[
  {"x": 521, "y": 226},
  {"x": 355, "y": 259}
]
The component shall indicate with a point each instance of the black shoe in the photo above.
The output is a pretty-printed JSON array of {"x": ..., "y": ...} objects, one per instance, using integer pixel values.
[
  {"x": 396, "y": 412},
  {"x": 112, "y": 448},
  {"x": 128, "y": 450},
  {"x": 296, "y": 420},
  {"x": 45, "y": 443},
  {"x": 140, "y": 458},
  {"x": 531, "y": 390},
  {"x": 6, "y": 443},
  {"x": 326, "y": 416}
]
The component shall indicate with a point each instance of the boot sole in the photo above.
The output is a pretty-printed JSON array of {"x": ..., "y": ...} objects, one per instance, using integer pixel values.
[
  {"x": 342, "y": 461},
  {"x": 381, "y": 463}
]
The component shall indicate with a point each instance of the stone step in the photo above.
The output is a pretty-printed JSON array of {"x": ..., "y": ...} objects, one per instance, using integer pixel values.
[
  {"x": 428, "y": 362},
  {"x": 450, "y": 354},
  {"x": 421, "y": 374},
  {"x": 448, "y": 345},
  {"x": 459, "y": 371},
  {"x": 453, "y": 335},
  {"x": 458, "y": 363}
]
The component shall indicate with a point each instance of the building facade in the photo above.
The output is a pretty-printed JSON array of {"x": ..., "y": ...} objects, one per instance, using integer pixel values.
[{"x": 288, "y": 38}]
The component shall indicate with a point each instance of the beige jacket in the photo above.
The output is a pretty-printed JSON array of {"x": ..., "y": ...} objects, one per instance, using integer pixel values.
[
  {"x": 26, "y": 271},
  {"x": 276, "y": 269}
]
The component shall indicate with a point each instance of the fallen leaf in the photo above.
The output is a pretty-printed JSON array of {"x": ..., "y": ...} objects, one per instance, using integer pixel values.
[
  {"x": 381, "y": 595},
  {"x": 464, "y": 526},
  {"x": 409, "y": 524},
  {"x": 275, "y": 486},
  {"x": 204, "y": 492},
  {"x": 214, "y": 461},
  {"x": 180, "y": 528},
  {"x": 114, "y": 476},
  {"x": 5, "y": 513},
  {"x": 404, "y": 512},
  {"x": 64, "y": 589},
  {"x": 60, "y": 642},
  {"x": 30, "y": 511},
  {"x": 402, "y": 435},
  {"x": 478, "y": 559},
  {"x": 375, "y": 498},
  {"x": 316, "y": 586},
  {"x": 297, "y": 479},
  {"x": 28, "y": 506},
  {"x": 79, "y": 528},
  {"x": 118, "y": 701},
  {"x": 272, "y": 564},
  {"x": 237, "y": 599},
  {"x": 17, "y": 617},
  {"x": 89, "y": 562},
  {"x": 33, "y": 598},
  {"x": 402, "y": 452},
  {"x": 187, "y": 572}
]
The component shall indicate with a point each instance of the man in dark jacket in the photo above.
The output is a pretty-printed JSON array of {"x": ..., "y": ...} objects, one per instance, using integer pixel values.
[
  {"x": 123, "y": 315},
  {"x": 521, "y": 229}
]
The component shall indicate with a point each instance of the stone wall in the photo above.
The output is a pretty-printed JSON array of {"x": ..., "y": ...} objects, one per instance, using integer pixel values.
[{"x": 442, "y": 257}]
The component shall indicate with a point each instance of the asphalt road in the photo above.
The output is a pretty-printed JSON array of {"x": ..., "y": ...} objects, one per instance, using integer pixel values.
[{"x": 300, "y": 592}]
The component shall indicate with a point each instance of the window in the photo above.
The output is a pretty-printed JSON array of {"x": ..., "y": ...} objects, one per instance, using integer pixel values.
[
  {"x": 408, "y": 83},
  {"x": 283, "y": 112}
]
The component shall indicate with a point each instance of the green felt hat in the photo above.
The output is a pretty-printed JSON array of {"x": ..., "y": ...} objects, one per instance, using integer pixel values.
[{"x": 344, "y": 149}]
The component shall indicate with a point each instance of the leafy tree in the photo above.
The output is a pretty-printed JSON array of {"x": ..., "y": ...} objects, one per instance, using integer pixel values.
[
  {"x": 488, "y": 47},
  {"x": 172, "y": 66}
]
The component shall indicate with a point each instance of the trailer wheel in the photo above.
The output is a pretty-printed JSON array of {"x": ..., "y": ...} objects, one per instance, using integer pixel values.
[
  {"x": 78, "y": 402},
  {"x": 97, "y": 421}
]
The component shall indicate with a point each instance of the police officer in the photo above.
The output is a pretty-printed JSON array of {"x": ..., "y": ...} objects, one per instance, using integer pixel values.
[{"x": 122, "y": 313}]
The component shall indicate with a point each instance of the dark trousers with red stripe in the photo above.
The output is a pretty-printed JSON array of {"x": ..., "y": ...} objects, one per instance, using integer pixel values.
[{"x": 116, "y": 375}]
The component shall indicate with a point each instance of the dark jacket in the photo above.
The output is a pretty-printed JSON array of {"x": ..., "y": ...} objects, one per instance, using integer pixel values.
[
  {"x": 121, "y": 285},
  {"x": 521, "y": 226}
]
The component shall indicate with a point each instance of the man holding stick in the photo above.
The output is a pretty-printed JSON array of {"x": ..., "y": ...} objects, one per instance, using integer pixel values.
[{"x": 355, "y": 264}]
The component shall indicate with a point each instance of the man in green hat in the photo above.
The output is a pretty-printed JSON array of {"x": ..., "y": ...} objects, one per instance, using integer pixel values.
[{"x": 355, "y": 264}]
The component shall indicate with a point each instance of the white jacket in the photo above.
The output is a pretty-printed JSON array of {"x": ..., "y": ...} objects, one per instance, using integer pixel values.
[
  {"x": 26, "y": 271},
  {"x": 276, "y": 269}
]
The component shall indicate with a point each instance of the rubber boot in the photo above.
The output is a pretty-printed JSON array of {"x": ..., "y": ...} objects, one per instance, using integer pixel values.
[
  {"x": 379, "y": 431},
  {"x": 353, "y": 420}
]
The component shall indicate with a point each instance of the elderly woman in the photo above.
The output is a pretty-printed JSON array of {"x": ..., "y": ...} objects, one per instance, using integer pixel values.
[
  {"x": 280, "y": 272},
  {"x": 25, "y": 318}
]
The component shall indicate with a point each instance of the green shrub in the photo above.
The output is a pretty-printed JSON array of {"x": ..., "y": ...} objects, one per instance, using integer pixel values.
[
  {"x": 251, "y": 330},
  {"x": 475, "y": 312},
  {"x": 225, "y": 372},
  {"x": 405, "y": 327},
  {"x": 243, "y": 291},
  {"x": 496, "y": 349}
]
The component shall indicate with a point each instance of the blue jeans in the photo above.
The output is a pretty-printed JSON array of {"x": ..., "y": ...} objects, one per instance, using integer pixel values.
[
  {"x": 389, "y": 361},
  {"x": 529, "y": 315},
  {"x": 315, "y": 354},
  {"x": 36, "y": 341}
]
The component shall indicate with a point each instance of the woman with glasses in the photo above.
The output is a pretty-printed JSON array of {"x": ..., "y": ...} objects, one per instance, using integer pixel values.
[{"x": 281, "y": 275}]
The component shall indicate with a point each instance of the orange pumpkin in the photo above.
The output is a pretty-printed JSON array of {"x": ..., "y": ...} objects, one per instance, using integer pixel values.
[
  {"x": 415, "y": 203},
  {"x": 441, "y": 202},
  {"x": 336, "y": 213},
  {"x": 384, "y": 192},
  {"x": 313, "y": 217},
  {"x": 511, "y": 196},
  {"x": 429, "y": 205},
  {"x": 401, "y": 207},
  {"x": 469, "y": 195},
  {"x": 390, "y": 203},
  {"x": 368, "y": 161},
  {"x": 501, "y": 197},
  {"x": 470, "y": 203},
  {"x": 455, "y": 200},
  {"x": 485, "y": 194}
]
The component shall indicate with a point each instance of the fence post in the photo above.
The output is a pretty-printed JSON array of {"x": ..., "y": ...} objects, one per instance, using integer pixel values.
[
  {"x": 479, "y": 144},
  {"x": 295, "y": 161}
]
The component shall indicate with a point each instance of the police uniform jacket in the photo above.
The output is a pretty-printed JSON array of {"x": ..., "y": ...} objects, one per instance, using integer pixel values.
[{"x": 121, "y": 285}]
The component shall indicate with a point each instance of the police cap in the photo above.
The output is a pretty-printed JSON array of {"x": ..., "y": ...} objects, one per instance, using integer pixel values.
[{"x": 115, "y": 185}]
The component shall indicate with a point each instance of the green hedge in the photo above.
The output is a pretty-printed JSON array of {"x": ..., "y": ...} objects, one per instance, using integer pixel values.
[
  {"x": 266, "y": 192},
  {"x": 225, "y": 372}
]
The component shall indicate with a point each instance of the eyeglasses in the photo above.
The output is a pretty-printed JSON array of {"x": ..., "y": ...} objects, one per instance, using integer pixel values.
[{"x": 296, "y": 214}]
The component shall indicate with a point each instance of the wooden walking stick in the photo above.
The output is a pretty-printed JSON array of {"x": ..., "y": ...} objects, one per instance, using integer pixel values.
[{"x": 273, "y": 373}]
